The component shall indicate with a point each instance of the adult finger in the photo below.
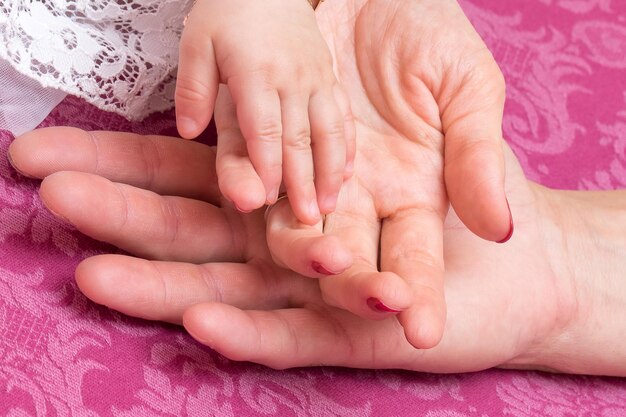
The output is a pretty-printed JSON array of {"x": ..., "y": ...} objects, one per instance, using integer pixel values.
[
  {"x": 164, "y": 290},
  {"x": 303, "y": 248},
  {"x": 412, "y": 247},
  {"x": 366, "y": 292},
  {"x": 197, "y": 78},
  {"x": 323, "y": 336},
  {"x": 361, "y": 289},
  {"x": 350, "y": 240},
  {"x": 142, "y": 222},
  {"x": 474, "y": 161},
  {"x": 162, "y": 164},
  {"x": 237, "y": 177},
  {"x": 284, "y": 338}
]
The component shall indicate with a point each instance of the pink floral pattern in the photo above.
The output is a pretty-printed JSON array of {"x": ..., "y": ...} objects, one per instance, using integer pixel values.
[{"x": 61, "y": 355}]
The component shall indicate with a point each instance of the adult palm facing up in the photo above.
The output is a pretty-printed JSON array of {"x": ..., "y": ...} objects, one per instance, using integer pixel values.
[
  {"x": 513, "y": 305},
  {"x": 419, "y": 90}
]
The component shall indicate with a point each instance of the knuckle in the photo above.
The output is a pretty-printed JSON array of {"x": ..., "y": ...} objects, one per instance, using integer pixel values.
[
  {"x": 468, "y": 152},
  {"x": 412, "y": 254},
  {"x": 335, "y": 175},
  {"x": 192, "y": 89},
  {"x": 299, "y": 141},
  {"x": 264, "y": 73},
  {"x": 300, "y": 72},
  {"x": 334, "y": 131},
  {"x": 211, "y": 283},
  {"x": 348, "y": 117},
  {"x": 152, "y": 162},
  {"x": 170, "y": 223},
  {"x": 269, "y": 131}
]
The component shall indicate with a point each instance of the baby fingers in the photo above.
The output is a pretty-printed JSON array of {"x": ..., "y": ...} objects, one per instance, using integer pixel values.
[
  {"x": 329, "y": 147},
  {"x": 196, "y": 83}
]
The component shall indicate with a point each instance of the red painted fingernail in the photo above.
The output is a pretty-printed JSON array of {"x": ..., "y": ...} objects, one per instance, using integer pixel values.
[
  {"x": 319, "y": 268},
  {"x": 511, "y": 227},
  {"x": 377, "y": 305}
]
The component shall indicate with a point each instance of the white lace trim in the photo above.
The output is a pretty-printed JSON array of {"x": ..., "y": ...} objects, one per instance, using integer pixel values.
[{"x": 119, "y": 55}]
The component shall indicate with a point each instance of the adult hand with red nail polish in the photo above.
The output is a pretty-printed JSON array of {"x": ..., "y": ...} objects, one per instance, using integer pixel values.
[
  {"x": 533, "y": 303},
  {"x": 428, "y": 100},
  {"x": 418, "y": 91}
]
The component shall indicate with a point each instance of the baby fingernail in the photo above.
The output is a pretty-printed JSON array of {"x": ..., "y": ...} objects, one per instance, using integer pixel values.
[
  {"x": 272, "y": 196},
  {"x": 314, "y": 210},
  {"x": 330, "y": 203},
  {"x": 242, "y": 210},
  {"x": 378, "y": 306},
  {"x": 349, "y": 170},
  {"x": 319, "y": 268},
  {"x": 187, "y": 127}
]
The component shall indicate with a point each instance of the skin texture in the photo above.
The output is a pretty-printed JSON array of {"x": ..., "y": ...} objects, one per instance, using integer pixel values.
[
  {"x": 534, "y": 303},
  {"x": 293, "y": 115},
  {"x": 417, "y": 92},
  {"x": 512, "y": 306}
]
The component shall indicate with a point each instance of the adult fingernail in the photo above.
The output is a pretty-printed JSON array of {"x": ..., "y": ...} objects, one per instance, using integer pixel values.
[
  {"x": 197, "y": 335},
  {"x": 319, "y": 268},
  {"x": 10, "y": 158},
  {"x": 511, "y": 226},
  {"x": 378, "y": 306},
  {"x": 54, "y": 213}
]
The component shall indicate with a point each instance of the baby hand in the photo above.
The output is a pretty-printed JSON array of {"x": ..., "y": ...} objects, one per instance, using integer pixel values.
[{"x": 291, "y": 111}]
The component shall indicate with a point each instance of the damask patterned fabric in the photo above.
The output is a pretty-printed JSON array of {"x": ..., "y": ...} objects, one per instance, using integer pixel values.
[{"x": 61, "y": 355}]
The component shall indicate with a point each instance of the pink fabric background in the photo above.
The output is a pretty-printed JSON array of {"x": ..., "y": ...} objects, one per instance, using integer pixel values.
[{"x": 61, "y": 355}]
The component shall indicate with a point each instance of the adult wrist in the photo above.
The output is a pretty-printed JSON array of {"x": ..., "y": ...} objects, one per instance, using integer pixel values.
[{"x": 586, "y": 241}]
